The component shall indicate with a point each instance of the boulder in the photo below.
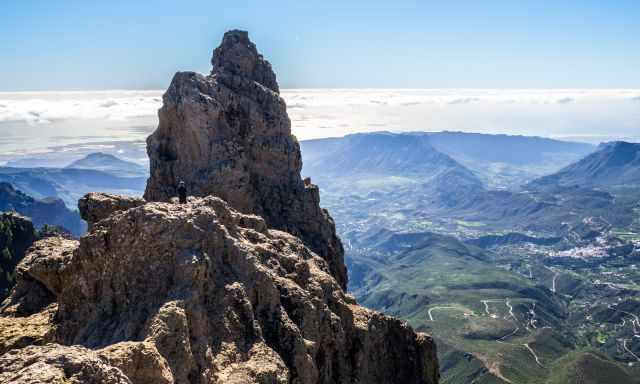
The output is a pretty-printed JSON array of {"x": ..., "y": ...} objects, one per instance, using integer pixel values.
[
  {"x": 96, "y": 206},
  {"x": 53, "y": 363}
]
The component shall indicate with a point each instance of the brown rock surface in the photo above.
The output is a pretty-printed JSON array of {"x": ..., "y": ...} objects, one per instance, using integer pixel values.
[
  {"x": 96, "y": 206},
  {"x": 217, "y": 297},
  {"x": 139, "y": 361},
  {"x": 228, "y": 134},
  {"x": 19, "y": 332},
  {"x": 57, "y": 364}
]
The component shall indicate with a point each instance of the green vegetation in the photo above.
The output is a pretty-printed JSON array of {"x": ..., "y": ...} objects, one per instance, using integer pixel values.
[
  {"x": 502, "y": 308},
  {"x": 558, "y": 264},
  {"x": 589, "y": 367}
]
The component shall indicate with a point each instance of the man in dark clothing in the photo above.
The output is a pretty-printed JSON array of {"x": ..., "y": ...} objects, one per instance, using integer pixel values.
[{"x": 182, "y": 193}]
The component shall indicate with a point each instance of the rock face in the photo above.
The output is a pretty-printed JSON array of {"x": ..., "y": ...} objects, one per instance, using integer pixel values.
[
  {"x": 96, "y": 206},
  {"x": 228, "y": 134},
  {"x": 57, "y": 364},
  {"x": 201, "y": 293},
  {"x": 248, "y": 290}
]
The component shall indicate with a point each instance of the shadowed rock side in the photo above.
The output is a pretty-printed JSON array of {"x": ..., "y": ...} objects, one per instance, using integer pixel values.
[
  {"x": 16, "y": 236},
  {"x": 228, "y": 134},
  {"x": 194, "y": 293}
]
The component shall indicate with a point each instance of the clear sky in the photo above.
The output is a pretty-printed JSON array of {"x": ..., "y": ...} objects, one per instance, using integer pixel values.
[{"x": 62, "y": 45}]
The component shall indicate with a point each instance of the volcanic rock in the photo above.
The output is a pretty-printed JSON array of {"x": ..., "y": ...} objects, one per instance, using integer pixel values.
[
  {"x": 215, "y": 296},
  {"x": 228, "y": 135},
  {"x": 57, "y": 364},
  {"x": 96, "y": 206}
]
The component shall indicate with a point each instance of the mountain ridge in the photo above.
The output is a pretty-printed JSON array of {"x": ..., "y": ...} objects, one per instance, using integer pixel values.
[
  {"x": 613, "y": 164},
  {"x": 108, "y": 163},
  {"x": 49, "y": 211}
]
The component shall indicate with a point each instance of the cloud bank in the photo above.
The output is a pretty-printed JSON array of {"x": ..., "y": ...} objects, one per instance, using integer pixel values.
[
  {"x": 32, "y": 121},
  {"x": 43, "y": 107}
]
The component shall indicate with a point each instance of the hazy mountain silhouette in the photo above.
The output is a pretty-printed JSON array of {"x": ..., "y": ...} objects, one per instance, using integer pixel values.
[
  {"x": 381, "y": 158},
  {"x": 614, "y": 164},
  {"x": 108, "y": 163},
  {"x": 50, "y": 211}
]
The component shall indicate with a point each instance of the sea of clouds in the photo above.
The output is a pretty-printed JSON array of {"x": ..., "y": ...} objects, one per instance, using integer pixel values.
[{"x": 51, "y": 122}]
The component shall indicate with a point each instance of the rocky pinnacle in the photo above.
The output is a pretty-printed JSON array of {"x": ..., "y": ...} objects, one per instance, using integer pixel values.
[{"x": 228, "y": 135}]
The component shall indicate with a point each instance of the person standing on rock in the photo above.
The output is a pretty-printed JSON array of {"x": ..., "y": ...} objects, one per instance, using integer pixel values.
[{"x": 182, "y": 192}]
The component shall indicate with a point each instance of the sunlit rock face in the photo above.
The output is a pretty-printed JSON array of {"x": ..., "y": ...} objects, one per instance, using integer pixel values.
[{"x": 228, "y": 135}]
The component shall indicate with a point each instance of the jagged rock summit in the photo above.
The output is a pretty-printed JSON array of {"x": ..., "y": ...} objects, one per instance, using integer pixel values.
[
  {"x": 228, "y": 135},
  {"x": 238, "y": 56},
  {"x": 202, "y": 292}
]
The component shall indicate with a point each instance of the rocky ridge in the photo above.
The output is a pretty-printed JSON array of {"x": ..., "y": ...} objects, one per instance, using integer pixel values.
[{"x": 211, "y": 291}]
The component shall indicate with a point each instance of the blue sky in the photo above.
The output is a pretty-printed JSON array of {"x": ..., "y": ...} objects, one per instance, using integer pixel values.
[{"x": 64, "y": 45}]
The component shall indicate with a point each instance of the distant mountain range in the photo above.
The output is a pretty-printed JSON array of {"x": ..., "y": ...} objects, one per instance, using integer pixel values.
[
  {"x": 507, "y": 149},
  {"x": 381, "y": 161},
  {"x": 409, "y": 176},
  {"x": 498, "y": 161},
  {"x": 615, "y": 164},
  {"x": 376, "y": 153},
  {"x": 50, "y": 195},
  {"x": 51, "y": 211},
  {"x": 110, "y": 164},
  {"x": 508, "y": 161},
  {"x": 95, "y": 172}
]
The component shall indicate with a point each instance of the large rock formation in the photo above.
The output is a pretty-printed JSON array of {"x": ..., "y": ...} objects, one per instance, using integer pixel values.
[
  {"x": 196, "y": 293},
  {"x": 206, "y": 292},
  {"x": 228, "y": 134}
]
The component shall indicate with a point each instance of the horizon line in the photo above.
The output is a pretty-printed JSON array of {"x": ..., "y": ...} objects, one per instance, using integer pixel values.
[{"x": 335, "y": 88}]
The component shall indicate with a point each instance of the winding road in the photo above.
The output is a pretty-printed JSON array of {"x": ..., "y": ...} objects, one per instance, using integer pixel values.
[
  {"x": 511, "y": 315},
  {"x": 526, "y": 345},
  {"x": 449, "y": 307},
  {"x": 624, "y": 345},
  {"x": 553, "y": 280}
]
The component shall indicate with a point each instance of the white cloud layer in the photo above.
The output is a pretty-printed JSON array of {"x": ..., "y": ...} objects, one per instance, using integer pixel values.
[
  {"x": 31, "y": 122},
  {"x": 582, "y": 114},
  {"x": 43, "y": 107}
]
